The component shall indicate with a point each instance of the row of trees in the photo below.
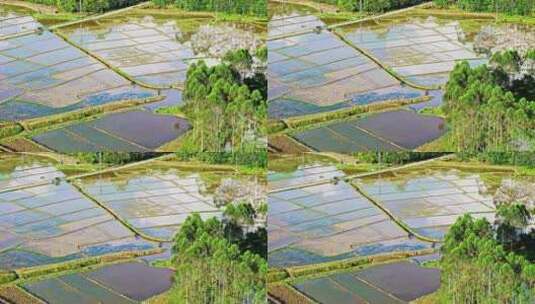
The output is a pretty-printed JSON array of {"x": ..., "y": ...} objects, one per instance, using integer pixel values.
[
  {"x": 216, "y": 261},
  {"x": 395, "y": 158},
  {"x": 227, "y": 106},
  {"x": 92, "y": 6},
  {"x": 242, "y": 7},
  {"x": 526, "y": 159},
  {"x": 511, "y": 7},
  {"x": 487, "y": 107},
  {"x": 479, "y": 265},
  {"x": 372, "y": 6}
]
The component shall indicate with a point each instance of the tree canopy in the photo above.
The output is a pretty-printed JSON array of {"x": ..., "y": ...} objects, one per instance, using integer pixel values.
[
  {"x": 242, "y": 7},
  {"x": 215, "y": 264},
  {"x": 510, "y": 7},
  {"x": 92, "y": 6},
  {"x": 227, "y": 105},
  {"x": 487, "y": 107},
  {"x": 372, "y": 6},
  {"x": 477, "y": 269}
]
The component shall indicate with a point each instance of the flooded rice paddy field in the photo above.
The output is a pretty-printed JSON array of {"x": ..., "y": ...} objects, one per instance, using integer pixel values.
[
  {"x": 423, "y": 47},
  {"x": 155, "y": 204},
  {"x": 130, "y": 131},
  {"x": 45, "y": 219},
  {"x": 430, "y": 201},
  {"x": 312, "y": 70},
  {"x": 157, "y": 48},
  {"x": 393, "y": 283},
  {"x": 386, "y": 131},
  {"x": 320, "y": 69},
  {"x": 316, "y": 216},
  {"x": 118, "y": 283},
  {"x": 41, "y": 75},
  {"x": 14, "y": 20},
  {"x": 328, "y": 221}
]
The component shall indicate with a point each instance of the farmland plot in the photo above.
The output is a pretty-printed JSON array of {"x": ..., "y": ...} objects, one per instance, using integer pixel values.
[
  {"x": 155, "y": 204},
  {"x": 50, "y": 220},
  {"x": 42, "y": 75},
  {"x": 12, "y": 23},
  {"x": 320, "y": 69},
  {"x": 430, "y": 203},
  {"x": 328, "y": 221},
  {"x": 393, "y": 283},
  {"x": 386, "y": 131},
  {"x": 119, "y": 283},
  {"x": 423, "y": 50},
  {"x": 131, "y": 131},
  {"x": 157, "y": 49}
]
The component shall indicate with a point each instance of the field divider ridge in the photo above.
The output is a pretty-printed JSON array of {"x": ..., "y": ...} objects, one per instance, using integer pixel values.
[
  {"x": 98, "y": 16},
  {"x": 118, "y": 217},
  {"x": 344, "y": 265},
  {"x": 351, "y": 22},
  {"x": 349, "y": 178},
  {"x": 398, "y": 221},
  {"x": 386, "y": 68},
  {"x": 319, "y": 119},
  {"x": 115, "y": 69}
]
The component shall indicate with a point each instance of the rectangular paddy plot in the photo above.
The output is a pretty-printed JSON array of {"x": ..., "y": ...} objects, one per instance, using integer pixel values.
[
  {"x": 293, "y": 23},
  {"x": 42, "y": 223},
  {"x": 41, "y": 74},
  {"x": 430, "y": 203},
  {"x": 394, "y": 283},
  {"x": 157, "y": 49},
  {"x": 12, "y": 23},
  {"x": 386, "y": 131},
  {"x": 422, "y": 50},
  {"x": 119, "y": 283},
  {"x": 305, "y": 175},
  {"x": 154, "y": 204},
  {"x": 131, "y": 131},
  {"x": 320, "y": 69},
  {"x": 328, "y": 221}
]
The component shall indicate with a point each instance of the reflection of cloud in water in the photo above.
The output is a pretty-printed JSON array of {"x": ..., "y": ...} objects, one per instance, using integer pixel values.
[{"x": 216, "y": 41}]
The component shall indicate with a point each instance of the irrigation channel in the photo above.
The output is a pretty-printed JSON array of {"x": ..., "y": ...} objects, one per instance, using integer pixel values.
[
  {"x": 56, "y": 228},
  {"x": 89, "y": 84},
  {"x": 361, "y": 85},
  {"x": 362, "y": 238}
]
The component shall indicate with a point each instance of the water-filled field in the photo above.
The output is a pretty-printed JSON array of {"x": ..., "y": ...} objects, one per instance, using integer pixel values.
[
  {"x": 130, "y": 131},
  {"x": 327, "y": 221},
  {"x": 119, "y": 283},
  {"x": 156, "y": 48},
  {"x": 14, "y": 21},
  {"x": 386, "y": 131},
  {"x": 424, "y": 47},
  {"x": 311, "y": 70},
  {"x": 154, "y": 203},
  {"x": 41, "y": 74},
  {"x": 429, "y": 203},
  {"x": 44, "y": 219},
  {"x": 393, "y": 283}
]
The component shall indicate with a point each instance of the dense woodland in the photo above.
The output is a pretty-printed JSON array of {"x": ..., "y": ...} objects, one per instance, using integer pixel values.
[
  {"x": 92, "y": 6},
  {"x": 218, "y": 262},
  {"x": 510, "y": 7},
  {"x": 371, "y": 6},
  {"x": 227, "y": 105},
  {"x": 242, "y": 7},
  {"x": 491, "y": 107},
  {"x": 485, "y": 264}
]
